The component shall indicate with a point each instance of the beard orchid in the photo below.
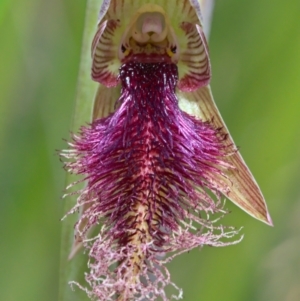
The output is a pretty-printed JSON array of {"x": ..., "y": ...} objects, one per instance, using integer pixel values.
[{"x": 157, "y": 158}]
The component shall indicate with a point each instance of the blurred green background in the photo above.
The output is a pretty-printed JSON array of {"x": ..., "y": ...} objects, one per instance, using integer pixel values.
[{"x": 255, "y": 53}]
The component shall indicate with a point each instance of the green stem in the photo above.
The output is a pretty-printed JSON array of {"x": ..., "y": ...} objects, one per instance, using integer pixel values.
[{"x": 73, "y": 270}]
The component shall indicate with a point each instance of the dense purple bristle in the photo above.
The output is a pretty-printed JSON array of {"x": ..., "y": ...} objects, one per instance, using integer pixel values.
[{"x": 148, "y": 167}]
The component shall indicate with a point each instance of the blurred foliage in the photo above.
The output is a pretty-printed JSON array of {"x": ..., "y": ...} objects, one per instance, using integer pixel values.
[{"x": 256, "y": 73}]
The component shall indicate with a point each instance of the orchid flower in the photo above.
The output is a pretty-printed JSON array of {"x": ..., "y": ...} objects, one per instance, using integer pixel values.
[{"x": 157, "y": 158}]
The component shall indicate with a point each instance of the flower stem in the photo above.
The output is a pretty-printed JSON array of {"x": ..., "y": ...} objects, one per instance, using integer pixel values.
[{"x": 86, "y": 88}]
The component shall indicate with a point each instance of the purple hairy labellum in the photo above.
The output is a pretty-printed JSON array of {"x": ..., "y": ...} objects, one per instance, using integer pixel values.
[
  {"x": 149, "y": 167},
  {"x": 155, "y": 168}
]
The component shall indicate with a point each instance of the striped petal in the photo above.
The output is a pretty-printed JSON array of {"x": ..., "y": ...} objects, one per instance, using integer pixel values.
[
  {"x": 105, "y": 64},
  {"x": 244, "y": 191},
  {"x": 105, "y": 101},
  {"x": 194, "y": 65}
]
